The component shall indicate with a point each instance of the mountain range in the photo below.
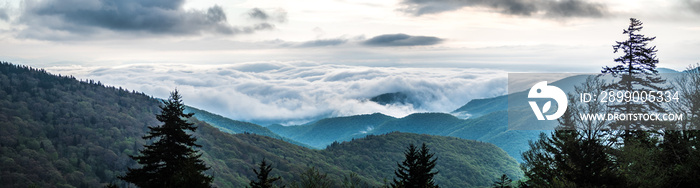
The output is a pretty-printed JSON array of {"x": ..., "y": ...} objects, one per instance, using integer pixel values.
[{"x": 57, "y": 131}]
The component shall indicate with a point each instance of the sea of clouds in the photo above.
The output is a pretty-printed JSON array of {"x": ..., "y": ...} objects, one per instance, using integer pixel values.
[{"x": 297, "y": 92}]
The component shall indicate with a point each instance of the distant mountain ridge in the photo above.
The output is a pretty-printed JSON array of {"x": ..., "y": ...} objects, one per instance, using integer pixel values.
[
  {"x": 323, "y": 132},
  {"x": 397, "y": 98},
  {"x": 479, "y": 107},
  {"x": 490, "y": 128}
]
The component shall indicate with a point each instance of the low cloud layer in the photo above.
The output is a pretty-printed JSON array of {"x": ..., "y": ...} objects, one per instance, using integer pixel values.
[
  {"x": 549, "y": 8},
  {"x": 294, "y": 93},
  {"x": 74, "y": 19},
  {"x": 401, "y": 39},
  {"x": 323, "y": 42}
]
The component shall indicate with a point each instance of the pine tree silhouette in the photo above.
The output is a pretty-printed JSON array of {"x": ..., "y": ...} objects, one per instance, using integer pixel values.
[
  {"x": 263, "y": 176},
  {"x": 416, "y": 170},
  {"x": 637, "y": 72},
  {"x": 171, "y": 160}
]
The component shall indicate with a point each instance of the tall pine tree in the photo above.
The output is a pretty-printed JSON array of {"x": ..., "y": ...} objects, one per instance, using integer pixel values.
[
  {"x": 638, "y": 147},
  {"x": 416, "y": 171},
  {"x": 263, "y": 176},
  {"x": 637, "y": 73},
  {"x": 171, "y": 160}
]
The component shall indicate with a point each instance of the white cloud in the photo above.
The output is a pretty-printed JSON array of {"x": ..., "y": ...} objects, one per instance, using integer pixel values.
[{"x": 292, "y": 93}]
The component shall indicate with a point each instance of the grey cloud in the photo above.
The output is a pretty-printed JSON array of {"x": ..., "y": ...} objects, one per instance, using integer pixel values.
[
  {"x": 323, "y": 42},
  {"x": 401, "y": 39},
  {"x": 694, "y": 5},
  {"x": 574, "y": 8},
  {"x": 3, "y": 14},
  {"x": 258, "y": 14},
  {"x": 279, "y": 15},
  {"x": 91, "y": 17},
  {"x": 550, "y": 8}
]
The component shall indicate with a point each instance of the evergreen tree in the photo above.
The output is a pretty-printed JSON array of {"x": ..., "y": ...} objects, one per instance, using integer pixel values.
[
  {"x": 416, "y": 171},
  {"x": 637, "y": 57},
  {"x": 171, "y": 160},
  {"x": 638, "y": 149},
  {"x": 637, "y": 72},
  {"x": 503, "y": 182},
  {"x": 263, "y": 181}
]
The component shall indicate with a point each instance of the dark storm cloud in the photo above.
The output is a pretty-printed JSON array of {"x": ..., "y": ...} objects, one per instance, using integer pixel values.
[
  {"x": 86, "y": 17},
  {"x": 323, "y": 42},
  {"x": 401, "y": 39},
  {"x": 550, "y": 8}
]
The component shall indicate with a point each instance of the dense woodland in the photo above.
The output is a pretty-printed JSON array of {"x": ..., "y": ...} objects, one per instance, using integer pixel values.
[{"x": 56, "y": 131}]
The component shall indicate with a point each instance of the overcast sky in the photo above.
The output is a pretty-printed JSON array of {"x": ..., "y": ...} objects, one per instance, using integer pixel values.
[{"x": 100, "y": 39}]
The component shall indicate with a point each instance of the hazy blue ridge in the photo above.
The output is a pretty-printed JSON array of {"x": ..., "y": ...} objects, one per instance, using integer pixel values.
[{"x": 480, "y": 107}]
